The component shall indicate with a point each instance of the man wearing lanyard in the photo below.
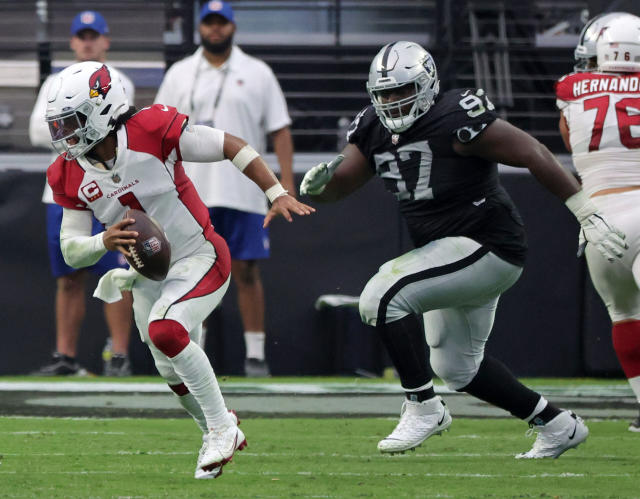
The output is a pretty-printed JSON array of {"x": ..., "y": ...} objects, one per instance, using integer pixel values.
[{"x": 219, "y": 85}]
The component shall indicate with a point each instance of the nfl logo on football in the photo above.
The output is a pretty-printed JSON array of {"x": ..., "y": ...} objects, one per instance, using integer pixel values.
[{"x": 151, "y": 246}]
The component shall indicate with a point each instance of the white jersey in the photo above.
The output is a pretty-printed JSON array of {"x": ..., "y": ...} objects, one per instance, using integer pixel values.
[
  {"x": 39, "y": 130},
  {"x": 147, "y": 175},
  {"x": 250, "y": 104},
  {"x": 603, "y": 115}
]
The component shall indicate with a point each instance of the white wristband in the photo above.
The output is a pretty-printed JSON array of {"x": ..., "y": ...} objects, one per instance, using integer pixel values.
[
  {"x": 245, "y": 156},
  {"x": 275, "y": 191}
]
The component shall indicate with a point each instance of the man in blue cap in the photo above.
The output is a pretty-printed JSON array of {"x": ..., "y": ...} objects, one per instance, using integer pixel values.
[
  {"x": 89, "y": 36},
  {"x": 89, "y": 42},
  {"x": 222, "y": 86}
]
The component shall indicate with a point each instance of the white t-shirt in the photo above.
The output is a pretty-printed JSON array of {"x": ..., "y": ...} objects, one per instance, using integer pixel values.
[
  {"x": 39, "y": 130},
  {"x": 251, "y": 105},
  {"x": 603, "y": 115}
]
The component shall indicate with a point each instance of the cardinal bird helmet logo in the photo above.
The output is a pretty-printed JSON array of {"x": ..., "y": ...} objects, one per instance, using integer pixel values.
[{"x": 100, "y": 82}]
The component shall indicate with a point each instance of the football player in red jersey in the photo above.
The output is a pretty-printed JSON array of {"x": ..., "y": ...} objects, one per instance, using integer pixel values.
[
  {"x": 114, "y": 158},
  {"x": 437, "y": 153},
  {"x": 598, "y": 106}
]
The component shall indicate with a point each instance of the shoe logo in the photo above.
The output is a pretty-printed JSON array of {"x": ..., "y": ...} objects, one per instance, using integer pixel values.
[
  {"x": 233, "y": 447},
  {"x": 574, "y": 432},
  {"x": 479, "y": 202},
  {"x": 441, "y": 419}
]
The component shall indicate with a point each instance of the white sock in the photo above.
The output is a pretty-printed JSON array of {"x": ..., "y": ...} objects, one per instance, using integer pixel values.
[
  {"x": 191, "y": 405},
  {"x": 195, "y": 371},
  {"x": 254, "y": 342},
  {"x": 635, "y": 386}
]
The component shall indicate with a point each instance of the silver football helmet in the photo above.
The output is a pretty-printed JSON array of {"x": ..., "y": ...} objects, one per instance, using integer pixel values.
[
  {"x": 402, "y": 66},
  {"x": 618, "y": 47},
  {"x": 586, "y": 48},
  {"x": 82, "y": 104}
]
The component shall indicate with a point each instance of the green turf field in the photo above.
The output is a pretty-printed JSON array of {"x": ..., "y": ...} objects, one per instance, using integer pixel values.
[{"x": 319, "y": 458}]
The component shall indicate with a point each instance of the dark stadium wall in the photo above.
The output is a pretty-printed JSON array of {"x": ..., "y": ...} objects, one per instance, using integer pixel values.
[{"x": 550, "y": 323}]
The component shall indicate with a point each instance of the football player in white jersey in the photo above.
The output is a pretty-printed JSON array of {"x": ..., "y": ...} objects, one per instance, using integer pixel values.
[
  {"x": 437, "y": 152},
  {"x": 114, "y": 158},
  {"x": 599, "y": 122}
]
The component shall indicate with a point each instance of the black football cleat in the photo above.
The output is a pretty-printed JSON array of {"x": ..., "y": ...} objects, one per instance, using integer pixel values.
[{"x": 61, "y": 365}]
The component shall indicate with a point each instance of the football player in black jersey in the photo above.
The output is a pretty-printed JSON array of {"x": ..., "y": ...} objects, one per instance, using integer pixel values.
[{"x": 437, "y": 153}]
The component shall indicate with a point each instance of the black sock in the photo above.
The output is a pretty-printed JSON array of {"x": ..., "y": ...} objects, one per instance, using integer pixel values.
[
  {"x": 407, "y": 347},
  {"x": 420, "y": 396},
  {"x": 494, "y": 383},
  {"x": 546, "y": 415}
]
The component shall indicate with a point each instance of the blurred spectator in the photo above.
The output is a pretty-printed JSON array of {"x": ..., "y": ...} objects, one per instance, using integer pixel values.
[
  {"x": 219, "y": 85},
  {"x": 89, "y": 42}
]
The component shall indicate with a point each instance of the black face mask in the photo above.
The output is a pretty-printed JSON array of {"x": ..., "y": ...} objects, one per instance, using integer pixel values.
[{"x": 217, "y": 48}]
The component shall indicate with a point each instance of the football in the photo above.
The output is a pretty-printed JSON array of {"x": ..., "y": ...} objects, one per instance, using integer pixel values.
[{"x": 151, "y": 254}]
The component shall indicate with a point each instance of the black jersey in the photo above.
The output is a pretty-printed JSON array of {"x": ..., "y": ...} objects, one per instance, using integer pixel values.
[{"x": 441, "y": 193}]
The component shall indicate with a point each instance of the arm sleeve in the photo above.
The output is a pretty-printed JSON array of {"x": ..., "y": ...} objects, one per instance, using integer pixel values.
[
  {"x": 79, "y": 247},
  {"x": 202, "y": 144},
  {"x": 38, "y": 128},
  {"x": 561, "y": 104}
]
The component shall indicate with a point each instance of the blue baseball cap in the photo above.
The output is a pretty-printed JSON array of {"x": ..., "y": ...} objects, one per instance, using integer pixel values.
[
  {"x": 89, "y": 19},
  {"x": 217, "y": 7}
]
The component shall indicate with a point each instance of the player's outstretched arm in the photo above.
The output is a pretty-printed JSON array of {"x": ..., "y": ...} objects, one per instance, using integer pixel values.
[
  {"x": 506, "y": 144},
  {"x": 338, "y": 178},
  {"x": 249, "y": 162},
  {"x": 202, "y": 144}
]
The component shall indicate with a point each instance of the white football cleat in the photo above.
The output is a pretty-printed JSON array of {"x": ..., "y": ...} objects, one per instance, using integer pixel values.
[
  {"x": 221, "y": 445},
  {"x": 562, "y": 433},
  {"x": 201, "y": 474},
  {"x": 418, "y": 421}
]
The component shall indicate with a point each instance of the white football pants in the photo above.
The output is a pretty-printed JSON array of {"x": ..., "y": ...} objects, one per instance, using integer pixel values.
[
  {"x": 618, "y": 282},
  {"x": 455, "y": 283},
  {"x": 154, "y": 300}
]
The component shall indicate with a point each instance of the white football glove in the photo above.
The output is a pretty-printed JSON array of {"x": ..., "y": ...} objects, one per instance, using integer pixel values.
[
  {"x": 607, "y": 239},
  {"x": 318, "y": 177}
]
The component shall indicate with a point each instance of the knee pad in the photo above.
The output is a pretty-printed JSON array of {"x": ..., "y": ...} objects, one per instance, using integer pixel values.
[{"x": 168, "y": 336}]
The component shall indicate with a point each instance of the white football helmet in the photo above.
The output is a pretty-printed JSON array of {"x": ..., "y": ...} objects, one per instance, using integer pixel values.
[
  {"x": 83, "y": 103},
  {"x": 586, "y": 48},
  {"x": 397, "y": 65},
  {"x": 618, "y": 46}
]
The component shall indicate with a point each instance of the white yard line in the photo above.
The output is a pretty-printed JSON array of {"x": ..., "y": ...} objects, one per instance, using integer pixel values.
[
  {"x": 503, "y": 476},
  {"x": 311, "y": 388}
]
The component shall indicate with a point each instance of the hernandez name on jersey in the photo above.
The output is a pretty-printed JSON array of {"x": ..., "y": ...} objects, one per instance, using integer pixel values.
[
  {"x": 440, "y": 192},
  {"x": 147, "y": 176},
  {"x": 602, "y": 111}
]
